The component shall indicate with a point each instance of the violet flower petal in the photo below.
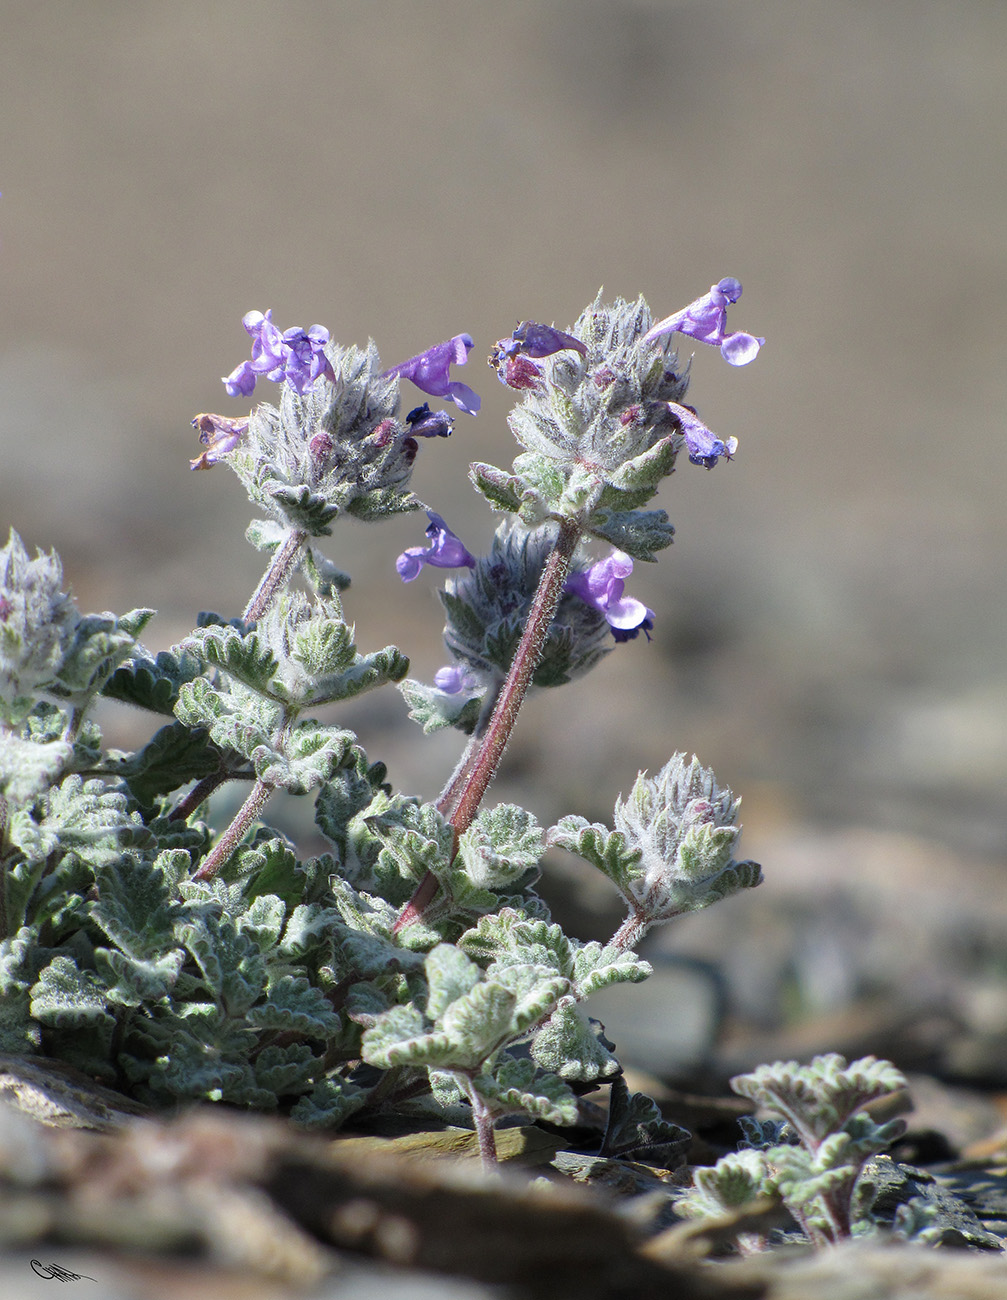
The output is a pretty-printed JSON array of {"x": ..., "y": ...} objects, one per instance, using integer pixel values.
[
  {"x": 430, "y": 372},
  {"x": 445, "y": 552},
  {"x": 705, "y": 320}
]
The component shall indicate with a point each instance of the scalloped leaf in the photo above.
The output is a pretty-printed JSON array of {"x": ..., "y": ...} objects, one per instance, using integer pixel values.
[
  {"x": 293, "y": 1005},
  {"x": 640, "y": 533},
  {"x": 66, "y": 997},
  {"x": 570, "y": 1045},
  {"x": 173, "y": 756},
  {"x": 517, "y": 1087},
  {"x": 603, "y": 848}
]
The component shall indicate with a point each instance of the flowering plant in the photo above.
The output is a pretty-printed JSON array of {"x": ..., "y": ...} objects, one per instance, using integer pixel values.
[{"x": 411, "y": 967}]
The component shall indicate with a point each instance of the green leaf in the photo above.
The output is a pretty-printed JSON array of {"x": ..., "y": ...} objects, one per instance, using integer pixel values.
[
  {"x": 243, "y": 656},
  {"x": 502, "y": 490},
  {"x": 570, "y": 1046},
  {"x": 134, "y": 907},
  {"x": 450, "y": 975},
  {"x": 86, "y": 818},
  {"x": 307, "y": 511},
  {"x": 308, "y": 755},
  {"x": 517, "y": 1087},
  {"x": 637, "y": 532},
  {"x": 286, "y": 1071},
  {"x": 293, "y": 1005},
  {"x": 603, "y": 848},
  {"x": 330, "y": 1104},
  {"x": 232, "y": 968},
  {"x": 500, "y": 846},
  {"x": 434, "y": 709},
  {"x": 172, "y": 757},
  {"x": 27, "y": 768},
  {"x": 153, "y": 684},
  {"x": 65, "y": 997}
]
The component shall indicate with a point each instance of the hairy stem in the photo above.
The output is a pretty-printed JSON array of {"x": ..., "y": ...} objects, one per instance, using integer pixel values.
[
  {"x": 630, "y": 932},
  {"x": 482, "y": 1119},
  {"x": 199, "y": 793},
  {"x": 279, "y": 570},
  {"x": 456, "y": 783},
  {"x": 230, "y": 839},
  {"x": 465, "y": 791}
]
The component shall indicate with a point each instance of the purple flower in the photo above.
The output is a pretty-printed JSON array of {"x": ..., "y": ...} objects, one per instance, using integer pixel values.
[
  {"x": 424, "y": 423},
  {"x": 305, "y": 357},
  {"x": 445, "y": 552},
  {"x": 602, "y": 586},
  {"x": 430, "y": 372},
  {"x": 219, "y": 435},
  {"x": 538, "y": 341},
  {"x": 510, "y": 356},
  {"x": 296, "y": 356},
  {"x": 706, "y": 321},
  {"x": 456, "y": 678},
  {"x": 704, "y": 446}
]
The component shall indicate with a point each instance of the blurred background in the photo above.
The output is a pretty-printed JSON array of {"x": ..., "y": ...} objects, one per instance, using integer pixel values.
[{"x": 830, "y": 629}]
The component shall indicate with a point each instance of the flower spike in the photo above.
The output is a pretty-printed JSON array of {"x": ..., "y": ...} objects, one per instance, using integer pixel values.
[
  {"x": 705, "y": 320},
  {"x": 430, "y": 372}
]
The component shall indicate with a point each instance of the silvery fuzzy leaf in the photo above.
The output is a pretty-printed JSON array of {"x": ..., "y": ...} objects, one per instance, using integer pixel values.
[
  {"x": 536, "y": 990},
  {"x": 569, "y": 1045},
  {"x": 133, "y": 981},
  {"x": 236, "y": 719},
  {"x": 135, "y": 907},
  {"x": 19, "y": 882},
  {"x": 38, "y": 627},
  {"x": 329, "y": 1104},
  {"x": 308, "y": 930},
  {"x": 65, "y": 997},
  {"x": 86, "y": 818},
  {"x": 99, "y": 645},
  {"x": 502, "y": 490},
  {"x": 232, "y": 968},
  {"x": 450, "y": 975},
  {"x": 736, "y": 1180},
  {"x": 399, "y": 1037},
  {"x": 199, "y": 1052},
  {"x": 263, "y": 921},
  {"x": 27, "y": 767},
  {"x": 307, "y": 511},
  {"x": 607, "y": 850},
  {"x": 306, "y": 755},
  {"x": 821, "y": 1096},
  {"x": 637, "y": 532},
  {"x": 367, "y": 672},
  {"x": 293, "y": 1005},
  {"x": 478, "y": 1024},
  {"x": 286, "y": 1071},
  {"x": 517, "y": 1087},
  {"x": 244, "y": 656},
  {"x": 500, "y": 846},
  {"x": 435, "y": 709},
  {"x": 597, "y": 966},
  {"x": 18, "y": 954}
]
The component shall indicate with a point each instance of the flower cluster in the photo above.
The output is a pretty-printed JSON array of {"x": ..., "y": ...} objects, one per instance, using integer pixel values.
[{"x": 296, "y": 357}]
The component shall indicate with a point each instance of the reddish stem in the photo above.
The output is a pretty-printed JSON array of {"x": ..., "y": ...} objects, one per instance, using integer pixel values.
[{"x": 469, "y": 786}]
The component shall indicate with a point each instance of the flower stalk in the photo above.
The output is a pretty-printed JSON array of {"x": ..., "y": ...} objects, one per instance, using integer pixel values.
[{"x": 464, "y": 793}]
